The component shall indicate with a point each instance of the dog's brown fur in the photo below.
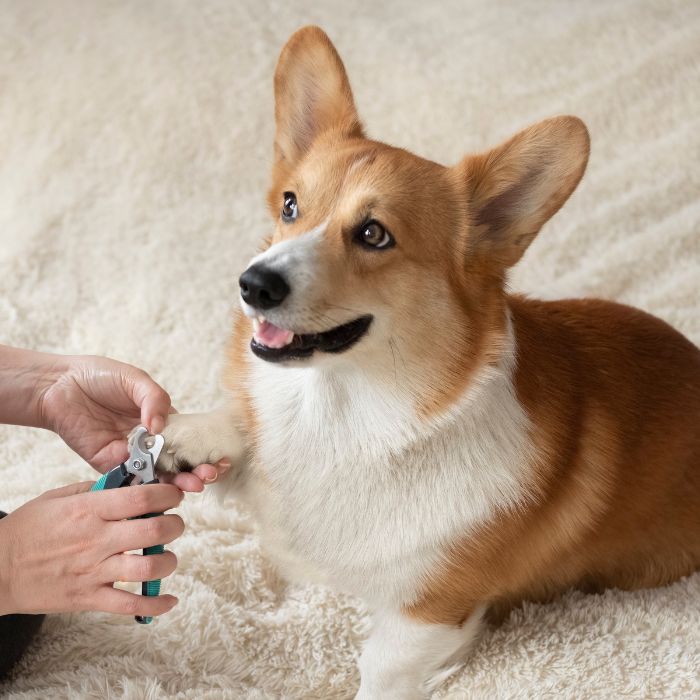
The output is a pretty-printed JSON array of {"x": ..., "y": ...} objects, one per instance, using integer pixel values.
[{"x": 614, "y": 399}]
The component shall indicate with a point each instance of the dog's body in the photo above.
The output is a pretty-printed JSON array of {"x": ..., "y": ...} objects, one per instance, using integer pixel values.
[{"x": 418, "y": 437}]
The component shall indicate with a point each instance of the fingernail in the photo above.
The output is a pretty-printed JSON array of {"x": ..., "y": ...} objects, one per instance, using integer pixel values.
[
  {"x": 224, "y": 463},
  {"x": 157, "y": 424},
  {"x": 211, "y": 479}
]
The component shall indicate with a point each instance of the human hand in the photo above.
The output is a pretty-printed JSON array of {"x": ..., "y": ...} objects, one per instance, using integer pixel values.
[
  {"x": 93, "y": 403},
  {"x": 62, "y": 551}
]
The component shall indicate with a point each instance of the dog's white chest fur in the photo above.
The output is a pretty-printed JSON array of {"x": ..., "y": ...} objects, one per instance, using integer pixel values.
[{"x": 351, "y": 487}]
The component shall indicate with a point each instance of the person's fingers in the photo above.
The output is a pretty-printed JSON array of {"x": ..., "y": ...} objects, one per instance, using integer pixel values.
[
  {"x": 143, "y": 532},
  {"x": 211, "y": 472},
  {"x": 70, "y": 490},
  {"x": 185, "y": 481},
  {"x": 138, "y": 567},
  {"x": 119, "y": 504},
  {"x": 195, "y": 480},
  {"x": 153, "y": 400},
  {"x": 113, "y": 600},
  {"x": 155, "y": 424},
  {"x": 110, "y": 455},
  {"x": 206, "y": 472}
]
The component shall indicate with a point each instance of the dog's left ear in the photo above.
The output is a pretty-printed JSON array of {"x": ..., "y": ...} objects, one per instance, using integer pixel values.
[
  {"x": 515, "y": 188},
  {"x": 312, "y": 94}
]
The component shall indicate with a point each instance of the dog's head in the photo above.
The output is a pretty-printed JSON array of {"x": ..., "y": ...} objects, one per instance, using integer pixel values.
[{"x": 376, "y": 251}]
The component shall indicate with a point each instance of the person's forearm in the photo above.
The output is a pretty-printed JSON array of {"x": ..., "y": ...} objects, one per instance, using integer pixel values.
[{"x": 24, "y": 377}]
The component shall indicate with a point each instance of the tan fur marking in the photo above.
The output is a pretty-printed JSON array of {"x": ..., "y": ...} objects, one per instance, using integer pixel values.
[
  {"x": 235, "y": 378},
  {"x": 614, "y": 395}
]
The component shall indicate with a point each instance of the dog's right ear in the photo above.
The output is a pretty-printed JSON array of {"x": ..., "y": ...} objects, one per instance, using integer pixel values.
[
  {"x": 312, "y": 94},
  {"x": 515, "y": 188}
]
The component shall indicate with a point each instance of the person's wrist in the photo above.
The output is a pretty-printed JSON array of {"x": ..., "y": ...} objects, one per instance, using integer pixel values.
[
  {"x": 25, "y": 377},
  {"x": 48, "y": 372}
]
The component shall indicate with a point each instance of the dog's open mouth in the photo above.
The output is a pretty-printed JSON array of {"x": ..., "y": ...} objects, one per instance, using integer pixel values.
[{"x": 276, "y": 344}]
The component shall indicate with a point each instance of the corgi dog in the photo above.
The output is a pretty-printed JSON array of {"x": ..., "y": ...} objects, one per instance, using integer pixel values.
[{"x": 406, "y": 430}]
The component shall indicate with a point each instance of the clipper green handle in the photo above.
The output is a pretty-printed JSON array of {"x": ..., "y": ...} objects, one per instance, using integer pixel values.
[
  {"x": 100, "y": 483},
  {"x": 150, "y": 588}
]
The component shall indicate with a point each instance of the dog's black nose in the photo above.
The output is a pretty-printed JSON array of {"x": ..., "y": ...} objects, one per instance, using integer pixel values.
[{"x": 262, "y": 288}]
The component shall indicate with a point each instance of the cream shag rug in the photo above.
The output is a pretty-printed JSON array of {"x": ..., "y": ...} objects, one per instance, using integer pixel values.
[{"x": 135, "y": 145}]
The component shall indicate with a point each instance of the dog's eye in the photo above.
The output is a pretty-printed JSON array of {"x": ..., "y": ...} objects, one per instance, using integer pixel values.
[
  {"x": 289, "y": 207},
  {"x": 374, "y": 235}
]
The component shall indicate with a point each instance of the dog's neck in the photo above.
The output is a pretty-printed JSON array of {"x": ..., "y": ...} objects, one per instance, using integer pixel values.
[{"x": 371, "y": 409}]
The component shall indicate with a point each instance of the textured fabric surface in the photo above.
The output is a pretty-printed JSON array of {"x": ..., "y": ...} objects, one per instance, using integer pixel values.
[{"x": 135, "y": 145}]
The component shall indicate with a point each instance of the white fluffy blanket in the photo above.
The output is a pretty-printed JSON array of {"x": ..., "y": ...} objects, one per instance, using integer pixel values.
[{"x": 135, "y": 144}]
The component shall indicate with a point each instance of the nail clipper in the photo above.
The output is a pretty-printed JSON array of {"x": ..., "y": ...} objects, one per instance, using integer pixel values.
[{"x": 139, "y": 469}]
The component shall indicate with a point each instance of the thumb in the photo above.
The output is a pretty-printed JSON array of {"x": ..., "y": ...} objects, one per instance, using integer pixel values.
[
  {"x": 153, "y": 401},
  {"x": 70, "y": 490}
]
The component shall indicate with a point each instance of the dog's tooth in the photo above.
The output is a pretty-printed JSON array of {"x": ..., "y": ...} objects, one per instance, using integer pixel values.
[{"x": 256, "y": 325}]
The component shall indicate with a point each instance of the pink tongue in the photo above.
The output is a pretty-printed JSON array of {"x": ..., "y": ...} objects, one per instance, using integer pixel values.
[{"x": 268, "y": 334}]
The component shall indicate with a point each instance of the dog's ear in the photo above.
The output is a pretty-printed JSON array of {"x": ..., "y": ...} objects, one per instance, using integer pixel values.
[
  {"x": 312, "y": 94},
  {"x": 515, "y": 188}
]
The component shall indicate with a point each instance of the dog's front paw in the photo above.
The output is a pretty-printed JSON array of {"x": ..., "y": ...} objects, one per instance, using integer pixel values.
[{"x": 198, "y": 438}]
